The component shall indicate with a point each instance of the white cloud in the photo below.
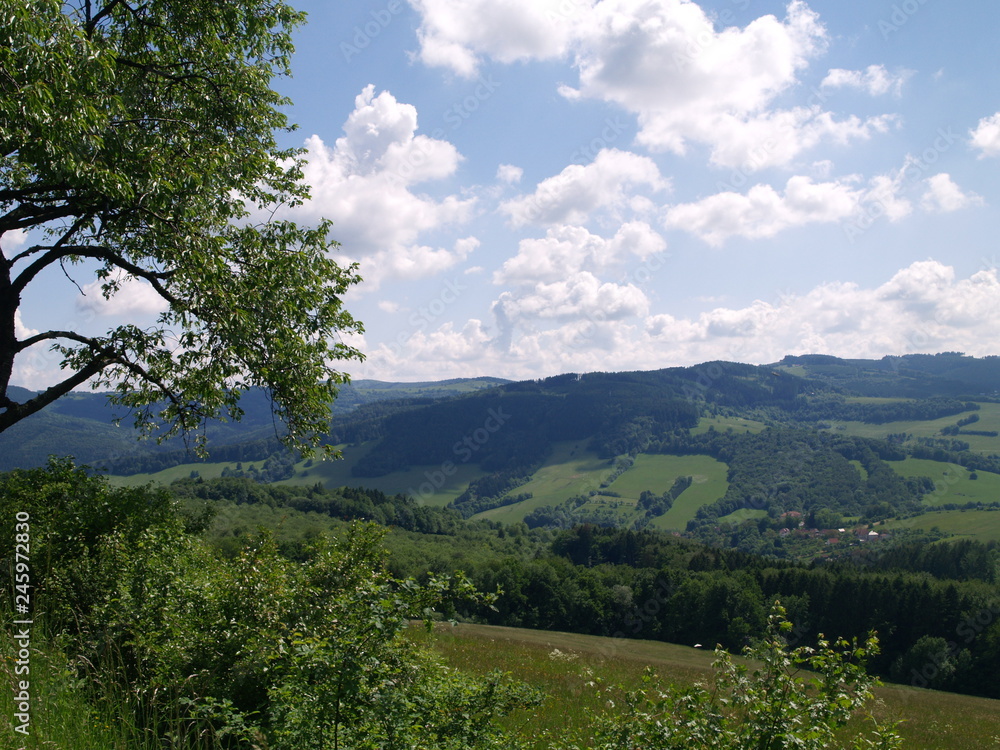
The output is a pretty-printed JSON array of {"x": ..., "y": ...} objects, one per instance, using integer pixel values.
[
  {"x": 923, "y": 308},
  {"x": 134, "y": 297},
  {"x": 874, "y": 79},
  {"x": 455, "y": 35},
  {"x": 763, "y": 211},
  {"x": 509, "y": 173},
  {"x": 21, "y": 331},
  {"x": 568, "y": 249},
  {"x": 579, "y": 295},
  {"x": 943, "y": 195},
  {"x": 665, "y": 61},
  {"x": 572, "y": 195},
  {"x": 14, "y": 239},
  {"x": 986, "y": 136},
  {"x": 363, "y": 184}
]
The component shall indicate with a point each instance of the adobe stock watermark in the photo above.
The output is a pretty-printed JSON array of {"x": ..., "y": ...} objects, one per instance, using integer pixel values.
[
  {"x": 915, "y": 169},
  {"x": 968, "y": 630},
  {"x": 22, "y": 637},
  {"x": 365, "y": 33},
  {"x": 613, "y": 128},
  {"x": 464, "y": 450},
  {"x": 422, "y": 149},
  {"x": 426, "y": 315},
  {"x": 595, "y": 317},
  {"x": 900, "y": 15}
]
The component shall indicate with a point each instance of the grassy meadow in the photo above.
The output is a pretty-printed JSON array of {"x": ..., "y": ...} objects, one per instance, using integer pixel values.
[
  {"x": 982, "y": 525},
  {"x": 952, "y": 483},
  {"x": 567, "y": 667},
  {"x": 989, "y": 420}
]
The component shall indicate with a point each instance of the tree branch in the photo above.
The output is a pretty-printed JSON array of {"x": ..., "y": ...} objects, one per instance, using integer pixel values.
[
  {"x": 155, "y": 278},
  {"x": 16, "y": 412}
]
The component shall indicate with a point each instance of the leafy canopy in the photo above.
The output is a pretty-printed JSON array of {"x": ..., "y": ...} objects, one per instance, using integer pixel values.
[{"x": 137, "y": 142}]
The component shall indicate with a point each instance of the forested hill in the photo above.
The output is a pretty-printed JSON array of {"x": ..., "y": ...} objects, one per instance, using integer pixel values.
[
  {"x": 83, "y": 424},
  {"x": 507, "y": 428}
]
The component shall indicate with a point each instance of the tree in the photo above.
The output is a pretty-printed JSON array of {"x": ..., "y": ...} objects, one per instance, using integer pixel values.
[{"x": 138, "y": 143}]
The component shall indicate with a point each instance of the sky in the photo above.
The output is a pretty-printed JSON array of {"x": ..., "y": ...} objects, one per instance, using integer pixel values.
[{"x": 534, "y": 187}]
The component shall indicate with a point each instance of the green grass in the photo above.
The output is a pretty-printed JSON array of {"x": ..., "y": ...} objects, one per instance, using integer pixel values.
[
  {"x": 181, "y": 471},
  {"x": 562, "y": 665},
  {"x": 572, "y": 470},
  {"x": 743, "y": 514},
  {"x": 657, "y": 474},
  {"x": 983, "y": 525},
  {"x": 952, "y": 482},
  {"x": 722, "y": 424},
  {"x": 989, "y": 420},
  {"x": 427, "y": 483}
]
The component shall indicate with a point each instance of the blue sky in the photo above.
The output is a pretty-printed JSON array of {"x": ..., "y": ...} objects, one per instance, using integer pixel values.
[{"x": 534, "y": 187}]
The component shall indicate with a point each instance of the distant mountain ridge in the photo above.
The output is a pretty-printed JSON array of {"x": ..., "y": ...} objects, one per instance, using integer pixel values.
[
  {"x": 82, "y": 424},
  {"x": 422, "y": 422}
]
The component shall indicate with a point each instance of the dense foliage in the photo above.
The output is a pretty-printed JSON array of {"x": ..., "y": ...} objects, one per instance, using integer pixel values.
[
  {"x": 243, "y": 651},
  {"x": 137, "y": 146}
]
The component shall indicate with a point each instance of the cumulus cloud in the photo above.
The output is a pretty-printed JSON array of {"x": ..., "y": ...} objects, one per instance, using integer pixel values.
[
  {"x": 572, "y": 195},
  {"x": 509, "y": 173},
  {"x": 943, "y": 195},
  {"x": 763, "y": 211},
  {"x": 569, "y": 249},
  {"x": 456, "y": 35},
  {"x": 134, "y": 297},
  {"x": 874, "y": 79},
  {"x": 14, "y": 239},
  {"x": 580, "y": 295},
  {"x": 21, "y": 331},
  {"x": 986, "y": 136},
  {"x": 666, "y": 61},
  {"x": 363, "y": 183},
  {"x": 923, "y": 308}
]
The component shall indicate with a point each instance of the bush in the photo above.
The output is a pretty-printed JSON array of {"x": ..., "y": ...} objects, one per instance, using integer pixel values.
[{"x": 763, "y": 704}]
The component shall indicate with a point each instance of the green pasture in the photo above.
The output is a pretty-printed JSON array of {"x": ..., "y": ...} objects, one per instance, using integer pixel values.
[
  {"x": 566, "y": 666},
  {"x": 657, "y": 473},
  {"x": 983, "y": 525},
  {"x": 435, "y": 484},
  {"x": 989, "y": 421},
  {"x": 952, "y": 482},
  {"x": 722, "y": 424},
  {"x": 182, "y": 471},
  {"x": 571, "y": 470}
]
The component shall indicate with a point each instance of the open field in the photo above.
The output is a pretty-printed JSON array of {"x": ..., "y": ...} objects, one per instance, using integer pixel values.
[
  {"x": 952, "y": 482},
  {"x": 657, "y": 474},
  {"x": 983, "y": 525},
  {"x": 562, "y": 665},
  {"x": 572, "y": 470},
  {"x": 207, "y": 471},
  {"x": 721, "y": 424},
  {"x": 989, "y": 420},
  {"x": 427, "y": 483}
]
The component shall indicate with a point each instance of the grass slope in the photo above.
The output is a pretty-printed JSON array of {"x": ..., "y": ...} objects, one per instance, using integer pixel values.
[
  {"x": 657, "y": 474},
  {"x": 982, "y": 525},
  {"x": 952, "y": 483},
  {"x": 572, "y": 470},
  {"x": 989, "y": 420},
  {"x": 562, "y": 664}
]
